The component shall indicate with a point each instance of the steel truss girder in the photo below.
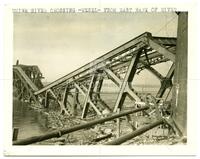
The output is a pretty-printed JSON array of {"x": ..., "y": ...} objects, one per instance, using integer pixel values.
[
  {"x": 152, "y": 57},
  {"x": 99, "y": 63},
  {"x": 119, "y": 59},
  {"x": 162, "y": 45}
]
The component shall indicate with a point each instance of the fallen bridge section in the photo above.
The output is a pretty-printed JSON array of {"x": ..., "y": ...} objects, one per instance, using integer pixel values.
[
  {"x": 160, "y": 46},
  {"x": 120, "y": 66}
]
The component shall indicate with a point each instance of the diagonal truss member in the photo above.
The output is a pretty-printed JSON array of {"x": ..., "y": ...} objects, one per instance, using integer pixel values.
[{"x": 125, "y": 87}]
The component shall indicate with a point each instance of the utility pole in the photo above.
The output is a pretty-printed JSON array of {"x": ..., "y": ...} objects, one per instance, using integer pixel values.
[{"x": 180, "y": 76}]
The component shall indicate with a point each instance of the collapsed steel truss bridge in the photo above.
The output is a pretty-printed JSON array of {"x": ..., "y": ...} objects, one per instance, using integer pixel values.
[{"x": 119, "y": 65}]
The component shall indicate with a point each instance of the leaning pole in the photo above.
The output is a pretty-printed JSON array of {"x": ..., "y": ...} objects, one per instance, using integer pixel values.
[{"x": 180, "y": 76}]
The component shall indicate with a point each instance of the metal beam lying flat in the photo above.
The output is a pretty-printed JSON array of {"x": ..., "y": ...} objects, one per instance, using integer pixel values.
[{"x": 135, "y": 133}]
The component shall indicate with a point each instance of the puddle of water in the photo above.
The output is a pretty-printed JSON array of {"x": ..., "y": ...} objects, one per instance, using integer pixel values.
[{"x": 29, "y": 122}]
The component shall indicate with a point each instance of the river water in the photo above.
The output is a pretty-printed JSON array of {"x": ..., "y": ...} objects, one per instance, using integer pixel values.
[{"x": 29, "y": 121}]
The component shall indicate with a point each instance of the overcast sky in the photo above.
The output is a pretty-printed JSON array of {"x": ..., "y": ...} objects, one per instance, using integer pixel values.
[{"x": 60, "y": 43}]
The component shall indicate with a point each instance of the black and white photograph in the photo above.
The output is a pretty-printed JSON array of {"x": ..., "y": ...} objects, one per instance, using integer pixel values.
[
  {"x": 99, "y": 77},
  {"x": 81, "y": 79}
]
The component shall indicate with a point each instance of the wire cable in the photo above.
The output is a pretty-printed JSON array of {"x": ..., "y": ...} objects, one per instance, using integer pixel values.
[{"x": 167, "y": 23}]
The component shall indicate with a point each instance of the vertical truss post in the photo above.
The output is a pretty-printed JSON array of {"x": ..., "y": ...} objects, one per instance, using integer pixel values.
[
  {"x": 127, "y": 81},
  {"x": 76, "y": 98},
  {"x": 46, "y": 101},
  {"x": 75, "y": 101},
  {"x": 65, "y": 95},
  {"x": 98, "y": 96},
  {"x": 128, "y": 120},
  {"x": 118, "y": 124},
  {"x": 88, "y": 95}
]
